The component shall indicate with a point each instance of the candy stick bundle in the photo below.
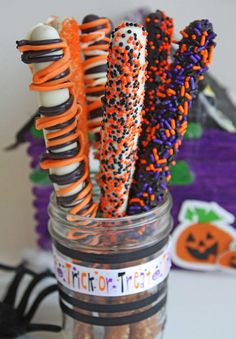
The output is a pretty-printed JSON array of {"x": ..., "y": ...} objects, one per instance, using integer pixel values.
[
  {"x": 133, "y": 166},
  {"x": 137, "y": 127}
]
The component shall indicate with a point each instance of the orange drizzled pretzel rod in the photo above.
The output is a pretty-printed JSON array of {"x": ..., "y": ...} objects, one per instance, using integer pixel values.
[
  {"x": 69, "y": 31},
  {"x": 59, "y": 118},
  {"x": 95, "y": 40}
]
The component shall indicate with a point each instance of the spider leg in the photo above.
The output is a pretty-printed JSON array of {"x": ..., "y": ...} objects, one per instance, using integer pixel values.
[
  {"x": 9, "y": 267},
  {"x": 42, "y": 295},
  {"x": 10, "y": 296},
  {"x": 43, "y": 327},
  {"x": 23, "y": 303}
]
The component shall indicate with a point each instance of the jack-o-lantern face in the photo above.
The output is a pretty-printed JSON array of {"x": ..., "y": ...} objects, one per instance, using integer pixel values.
[
  {"x": 202, "y": 249},
  {"x": 228, "y": 260},
  {"x": 200, "y": 243}
]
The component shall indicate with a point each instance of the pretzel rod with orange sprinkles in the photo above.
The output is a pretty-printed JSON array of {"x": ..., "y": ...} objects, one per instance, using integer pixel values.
[
  {"x": 162, "y": 134},
  {"x": 59, "y": 117},
  {"x": 123, "y": 109},
  {"x": 95, "y": 40}
]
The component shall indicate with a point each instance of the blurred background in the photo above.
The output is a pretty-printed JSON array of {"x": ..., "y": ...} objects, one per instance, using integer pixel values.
[{"x": 17, "y": 104}]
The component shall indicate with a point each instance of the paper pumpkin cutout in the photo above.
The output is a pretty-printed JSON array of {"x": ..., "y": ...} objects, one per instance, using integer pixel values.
[
  {"x": 202, "y": 243},
  {"x": 202, "y": 236},
  {"x": 227, "y": 261}
]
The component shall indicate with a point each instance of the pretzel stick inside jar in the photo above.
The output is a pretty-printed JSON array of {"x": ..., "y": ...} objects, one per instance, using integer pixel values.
[{"x": 59, "y": 113}]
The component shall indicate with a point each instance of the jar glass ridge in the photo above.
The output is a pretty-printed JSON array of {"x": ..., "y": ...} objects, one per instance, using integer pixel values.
[{"x": 99, "y": 248}]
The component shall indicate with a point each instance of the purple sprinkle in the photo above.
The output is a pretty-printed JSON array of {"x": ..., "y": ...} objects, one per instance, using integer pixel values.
[
  {"x": 197, "y": 31},
  {"x": 163, "y": 136},
  {"x": 152, "y": 158},
  {"x": 180, "y": 77},
  {"x": 201, "y": 48},
  {"x": 204, "y": 69},
  {"x": 189, "y": 66},
  {"x": 157, "y": 141},
  {"x": 193, "y": 59},
  {"x": 156, "y": 175},
  {"x": 211, "y": 35},
  {"x": 192, "y": 83},
  {"x": 199, "y": 25},
  {"x": 165, "y": 154},
  {"x": 179, "y": 82},
  {"x": 135, "y": 208},
  {"x": 167, "y": 124}
]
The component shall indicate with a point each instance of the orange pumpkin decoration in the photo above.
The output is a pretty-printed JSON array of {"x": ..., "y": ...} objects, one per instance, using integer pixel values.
[
  {"x": 228, "y": 260},
  {"x": 197, "y": 246},
  {"x": 204, "y": 233},
  {"x": 202, "y": 243}
]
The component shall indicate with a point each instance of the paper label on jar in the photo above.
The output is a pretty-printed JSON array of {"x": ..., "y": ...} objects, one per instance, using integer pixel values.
[{"x": 112, "y": 282}]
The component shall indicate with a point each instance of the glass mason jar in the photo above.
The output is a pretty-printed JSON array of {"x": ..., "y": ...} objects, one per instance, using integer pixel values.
[{"x": 112, "y": 273}]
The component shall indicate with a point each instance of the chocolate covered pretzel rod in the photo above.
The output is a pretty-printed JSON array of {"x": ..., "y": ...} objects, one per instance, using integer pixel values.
[
  {"x": 162, "y": 135},
  {"x": 160, "y": 32},
  {"x": 59, "y": 119},
  {"x": 123, "y": 105},
  {"x": 95, "y": 39}
]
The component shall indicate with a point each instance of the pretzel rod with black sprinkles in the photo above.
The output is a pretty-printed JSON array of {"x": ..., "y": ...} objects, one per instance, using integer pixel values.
[
  {"x": 59, "y": 118},
  {"x": 95, "y": 40},
  {"x": 162, "y": 135},
  {"x": 160, "y": 32},
  {"x": 123, "y": 109}
]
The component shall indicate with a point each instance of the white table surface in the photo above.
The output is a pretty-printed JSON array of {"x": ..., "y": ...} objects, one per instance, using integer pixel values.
[{"x": 200, "y": 306}]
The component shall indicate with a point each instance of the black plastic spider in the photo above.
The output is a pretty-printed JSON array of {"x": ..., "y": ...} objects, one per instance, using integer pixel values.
[{"x": 14, "y": 320}]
